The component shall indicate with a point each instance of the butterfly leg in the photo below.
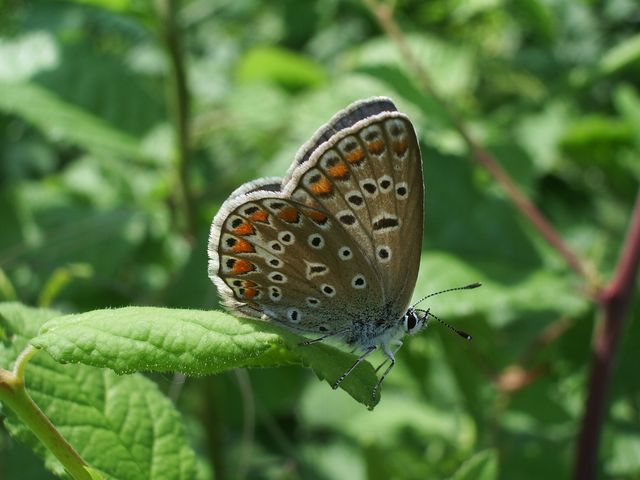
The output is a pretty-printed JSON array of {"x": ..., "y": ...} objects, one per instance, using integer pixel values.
[
  {"x": 356, "y": 363},
  {"x": 319, "y": 339},
  {"x": 315, "y": 340},
  {"x": 390, "y": 357},
  {"x": 398, "y": 346}
]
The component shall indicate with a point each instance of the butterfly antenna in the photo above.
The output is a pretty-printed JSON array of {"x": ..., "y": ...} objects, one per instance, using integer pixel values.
[
  {"x": 466, "y": 287},
  {"x": 463, "y": 334}
]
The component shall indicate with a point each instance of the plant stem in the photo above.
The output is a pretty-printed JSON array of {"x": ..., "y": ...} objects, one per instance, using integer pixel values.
[
  {"x": 14, "y": 395},
  {"x": 249, "y": 419},
  {"x": 614, "y": 301},
  {"x": 180, "y": 106},
  {"x": 384, "y": 15}
]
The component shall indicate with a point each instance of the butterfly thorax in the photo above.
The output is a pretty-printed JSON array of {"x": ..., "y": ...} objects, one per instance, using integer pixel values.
[{"x": 365, "y": 334}]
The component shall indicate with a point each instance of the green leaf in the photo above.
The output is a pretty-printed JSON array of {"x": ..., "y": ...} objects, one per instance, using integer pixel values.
[
  {"x": 280, "y": 66},
  {"x": 540, "y": 133},
  {"x": 194, "y": 342},
  {"x": 162, "y": 340},
  {"x": 95, "y": 475},
  {"x": 114, "y": 5},
  {"x": 595, "y": 139},
  {"x": 482, "y": 466},
  {"x": 27, "y": 55},
  {"x": 121, "y": 425},
  {"x": 627, "y": 102},
  {"x": 538, "y": 17},
  {"x": 452, "y": 67},
  {"x": 622, "y": 55},
  {"x": 62, "y": 121},
  {"x": 506, "y": 290}
]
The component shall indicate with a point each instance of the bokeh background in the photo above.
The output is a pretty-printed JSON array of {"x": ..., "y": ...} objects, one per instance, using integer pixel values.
[{"x": 124, "y": 124}]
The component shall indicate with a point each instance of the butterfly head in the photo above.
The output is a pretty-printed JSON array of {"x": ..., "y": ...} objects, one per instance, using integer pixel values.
[{"x": 412, "y": 322}]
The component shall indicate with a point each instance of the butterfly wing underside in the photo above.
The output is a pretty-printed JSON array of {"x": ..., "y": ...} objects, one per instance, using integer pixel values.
[{"x": 338, "y": 239}]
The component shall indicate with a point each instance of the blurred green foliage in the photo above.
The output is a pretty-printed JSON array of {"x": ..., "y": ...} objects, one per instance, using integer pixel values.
[{"x": 90, "y": 217}]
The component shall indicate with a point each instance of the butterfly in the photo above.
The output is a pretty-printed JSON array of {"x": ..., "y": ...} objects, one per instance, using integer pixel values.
[{"x": 331, "y": 250}]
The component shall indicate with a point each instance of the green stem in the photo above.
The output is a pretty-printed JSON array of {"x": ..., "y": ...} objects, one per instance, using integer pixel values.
[
  {"x": 14, "y": 395},
  {"x": 179, "y": 100}
]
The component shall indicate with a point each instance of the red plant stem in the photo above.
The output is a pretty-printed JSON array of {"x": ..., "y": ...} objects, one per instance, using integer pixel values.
[
  {"x": 384, "y": 15},
  {"x": 614, "y": 301}
]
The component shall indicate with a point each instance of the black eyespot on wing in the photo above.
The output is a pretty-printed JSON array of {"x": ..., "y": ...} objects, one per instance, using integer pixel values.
[
  {"x": 236, "y": 222},
  {"x": 355, "y": 200},
  {"x": 371, "y": 136},
  {"x": 369, "y": 187},
  {"x": 385, "y": 223},
  {"x": 350, "y": 146},
  {"x": 331, "y": 161},
  {"x": 347, "y": 219}
]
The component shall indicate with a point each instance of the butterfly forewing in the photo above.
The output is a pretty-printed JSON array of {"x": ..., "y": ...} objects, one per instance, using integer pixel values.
[
  {"x": 369, "y": 176},
  {"x": 336, "y": 244}
]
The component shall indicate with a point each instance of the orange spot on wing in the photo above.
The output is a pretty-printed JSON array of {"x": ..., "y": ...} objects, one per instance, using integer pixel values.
[
  {"x": 260, "y": 216},
  {"x": 249, "y": 293},
  {"x": 289, "y": 215},
  {"x": 376, "y": 147},
  {"x": 242, "y": 246},
  {"x": 322, "y": 186},
  {"x": 339, "y": 171},
  {"x": 400, "y": 147},
  {"x": 244, "y": 228},
  {"x": 316, "y": 216},
  {"x": 242, "y": 266},
  {"x": 356, "y": 156}
]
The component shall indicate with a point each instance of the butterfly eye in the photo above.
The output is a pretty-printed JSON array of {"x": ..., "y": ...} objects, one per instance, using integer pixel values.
[{"x": 412, "y": 323}]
